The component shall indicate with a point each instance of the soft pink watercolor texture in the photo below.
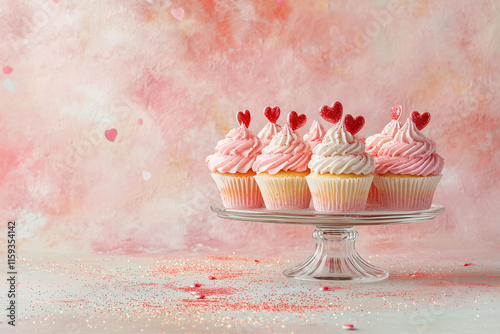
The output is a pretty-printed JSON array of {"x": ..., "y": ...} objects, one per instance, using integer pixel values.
[
  {"x": 89, "y": 67},
  {"x": 177, "y": 13}
]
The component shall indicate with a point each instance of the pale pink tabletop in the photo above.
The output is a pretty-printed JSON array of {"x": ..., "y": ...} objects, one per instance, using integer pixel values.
[{"x": 433, "y": 291}]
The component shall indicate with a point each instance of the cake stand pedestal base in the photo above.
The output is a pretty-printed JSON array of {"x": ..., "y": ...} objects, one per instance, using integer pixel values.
[{"x": 335, "y": 258}]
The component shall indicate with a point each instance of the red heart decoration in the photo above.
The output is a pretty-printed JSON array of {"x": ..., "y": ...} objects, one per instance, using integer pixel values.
[
  {"x": 332, "y": 114},
  {"x": 296, "y": 121},
  {"x": 353, "y": 125},
  {"x": 396, "y": 112},
  {"x": 420, "y": 120},
  {"x": 272, "y": 114},
  {"x": 243, "y": 117}
]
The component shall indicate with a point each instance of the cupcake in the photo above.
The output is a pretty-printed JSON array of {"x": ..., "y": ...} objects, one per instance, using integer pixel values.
[
  {"x": 315, "y": 134},
  {"x": 408, "y": 168},
  {"x": 231, "y": 166},
  {"x": 375, "y": 142},
  {"x": 271, "y": 128},
  {"x": 340, "y": 168},
  {"x": 282, "y": 167}
]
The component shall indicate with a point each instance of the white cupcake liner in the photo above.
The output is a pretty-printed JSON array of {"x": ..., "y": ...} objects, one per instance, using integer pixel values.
[
  {"x": 374, "y": 199},
  {"x": 339, "y": 194},
  {"x": 407, "y": 193},
  {"x": 289, "y": 192},
  {"x": 238, "y": 192}
]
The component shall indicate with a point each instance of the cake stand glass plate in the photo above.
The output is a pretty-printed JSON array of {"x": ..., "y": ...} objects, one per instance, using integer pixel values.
[{"x": 335, "y": 257}]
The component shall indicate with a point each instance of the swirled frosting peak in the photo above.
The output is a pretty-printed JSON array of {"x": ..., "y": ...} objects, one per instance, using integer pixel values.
[
  {"x": 267, "y": 133},
  {"x": 315, "y": 134},
  {"x": 410, "y": 153},
  {"x": 375, "y": 142},
  {"x": 341, "y": 153},
  {"x": 287, "y": 151},
  {"x": 236, "y": 153}
]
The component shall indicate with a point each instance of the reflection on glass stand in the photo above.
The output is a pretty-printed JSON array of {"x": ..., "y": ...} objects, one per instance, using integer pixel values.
[{"x": 335, "y": 257}]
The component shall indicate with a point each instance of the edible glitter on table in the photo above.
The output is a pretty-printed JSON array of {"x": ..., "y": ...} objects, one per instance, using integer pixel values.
[{"x": 177, "y": 295}]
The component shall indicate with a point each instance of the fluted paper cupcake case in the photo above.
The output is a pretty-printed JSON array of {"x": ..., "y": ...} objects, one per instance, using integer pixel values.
[
  {"x": 238, "y": 192},
  {"x": 280, "y": 193},
  {"x": 339, "y": 194},
  {"x": 374, "y": 199},
  {"x": 407, "y": 193}
]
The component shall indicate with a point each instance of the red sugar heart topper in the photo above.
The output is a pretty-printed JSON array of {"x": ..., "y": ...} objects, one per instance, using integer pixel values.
[
  {"x": 396, "y": 112},
  {"x": 243, "y": 117},
  {"x": 353, "y": 125},
  {"x": 272, "y": 114},
  {"x": 332, "y": 114},
  {"x": 296, "y": 121},
  {"x": 420, "y": 120}
]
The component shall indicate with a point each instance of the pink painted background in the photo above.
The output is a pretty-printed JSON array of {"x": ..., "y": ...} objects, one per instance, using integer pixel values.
[{"x": 169, "y": 76}]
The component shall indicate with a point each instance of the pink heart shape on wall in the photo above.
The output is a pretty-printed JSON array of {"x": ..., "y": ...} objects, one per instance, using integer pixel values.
[
  {"x": 177, "y": 13},
  {"x": 7, "y": 70},
  {"x": 146, "y": 175},
  {"x": 111, "y": 134}
]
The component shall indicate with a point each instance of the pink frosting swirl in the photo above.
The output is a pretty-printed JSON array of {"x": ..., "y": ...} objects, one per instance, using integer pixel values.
[
  {"x": 236, "y": 153},
  {"x": 315, "y": 134},
  {"x": 287, "y": 151},
  {"x": 375, "y": 142},
  {"x": 410, "y": 153},
  {"x": 267, "y": 133}
]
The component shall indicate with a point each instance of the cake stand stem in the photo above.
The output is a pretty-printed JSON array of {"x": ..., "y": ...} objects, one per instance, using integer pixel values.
[{"x": 336, "y": 258}]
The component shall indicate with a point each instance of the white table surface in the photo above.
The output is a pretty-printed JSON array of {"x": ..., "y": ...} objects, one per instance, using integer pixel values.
[{"x": 427, "y": 292}]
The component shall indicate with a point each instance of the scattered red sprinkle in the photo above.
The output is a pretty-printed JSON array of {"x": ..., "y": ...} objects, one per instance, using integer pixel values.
[
  {"x": 206, "y": 291},
  {"x": 330, "y": 288},
  {"x": 467, "y": 264},
  {"x": 256, "y": 261},
  {"x": 146, "y": 304},
  {"x": 420, "y": 275},
  {"x": 222, "y": 272},
  {"x": 227, "y": 258},
  {"x": 190, "y": 305},
  {"x": 211, "y": 277},
  {"x": 458, "y": 283},
  {"x": 195, "y": 285},
  {"x": 347, "y": 326},
  {"x": 199, "y": 296}
]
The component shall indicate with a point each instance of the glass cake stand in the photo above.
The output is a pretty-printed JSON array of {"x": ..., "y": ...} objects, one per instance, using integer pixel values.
[{"x": 335, "y": 257}]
